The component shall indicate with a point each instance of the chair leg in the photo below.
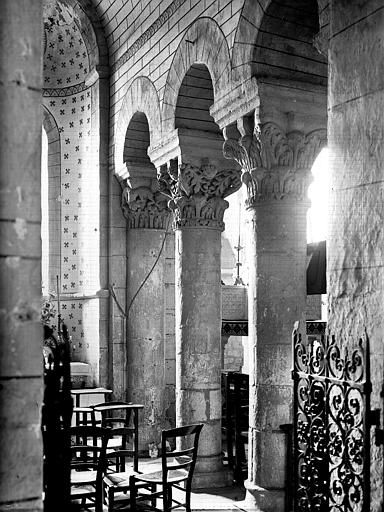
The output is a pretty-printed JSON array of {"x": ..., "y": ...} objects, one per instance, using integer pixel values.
[
  {"x": 170, "y": 497},
  {"x": 153, "y": 498},
  {"x": 133, "y": 493},
  {"x": 111, "y": 499},
  {"x": 99, "y": 502},
  {"x": 165, "y": 499},
  {"x": 188, "y": 498}
]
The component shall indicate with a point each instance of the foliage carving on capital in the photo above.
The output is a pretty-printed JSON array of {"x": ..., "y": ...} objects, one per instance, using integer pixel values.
[
  {"x": 275, "y": 165},
  {"x": 144, "y": 207},
  {"x": 197, "y": 193}
]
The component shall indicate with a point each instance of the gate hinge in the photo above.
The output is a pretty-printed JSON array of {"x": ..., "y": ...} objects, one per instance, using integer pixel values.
[
  {"x": 374, "y": 417},
  {"x": 379, "y": 436},
  {"x": 374, "y": 420}
]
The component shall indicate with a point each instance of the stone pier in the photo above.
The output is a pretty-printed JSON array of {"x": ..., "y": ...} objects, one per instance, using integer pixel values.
[
  {"x": 21, "y": 335},
  {"x": 355, "y": 247},
  {"x": 198, "y": 203},
  {"x": 147, "y": 217},
  {"x": 277, "y": 179}
]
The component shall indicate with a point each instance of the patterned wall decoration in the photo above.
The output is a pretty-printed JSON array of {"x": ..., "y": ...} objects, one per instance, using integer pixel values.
[
  {"x": 66, "y": 66},
  {"x": 66, "y": 61}
]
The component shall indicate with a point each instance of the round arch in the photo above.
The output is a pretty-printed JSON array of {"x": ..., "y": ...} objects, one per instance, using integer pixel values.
[
  {"x": 91, "y": 29},
  {"x": 54, "y": 183},
  {"x": 141, "y": 96},
  {"x": 83, "y": 156},
  {"x": 247, "y": 33},
  {"x": 196, "y": 48}
]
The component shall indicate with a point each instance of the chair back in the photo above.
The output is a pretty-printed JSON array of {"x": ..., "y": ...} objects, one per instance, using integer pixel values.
[
  {"x": 185, "y": 455},
  {"x": 88, "y": 448},
  {"x": 112, "y": 416},
  {"x": 118, "y": 457}
]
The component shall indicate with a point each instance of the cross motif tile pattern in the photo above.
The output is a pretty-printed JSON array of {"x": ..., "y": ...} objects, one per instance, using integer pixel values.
[
  {"x": 75, "y": 138},
  {"x": 66, "y": 60},
  {"x": 66, "y": 65}
]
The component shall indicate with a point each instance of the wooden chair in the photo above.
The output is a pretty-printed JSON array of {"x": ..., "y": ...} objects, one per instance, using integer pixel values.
[
  {"x": 176, "y": 467},
  {"x": 88, "y": 465},
  {"x": 84, "y": 416},
  {"x": 121, "y": 414},
  {"x": 119, "y": 470},
  {"x": 108, "y": 410}
]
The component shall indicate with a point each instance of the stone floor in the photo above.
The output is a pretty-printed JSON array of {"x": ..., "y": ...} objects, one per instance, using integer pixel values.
[
  {"x": 227, "y": 498},
  {"x": 224, "y": 499}
]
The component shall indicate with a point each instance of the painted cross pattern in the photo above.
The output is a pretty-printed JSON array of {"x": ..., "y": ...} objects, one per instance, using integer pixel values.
[
  {"x": 75, "y": 128},
  {"x": 73, "y": 317},
  {"x": 66, "y": 67},
  {"x": 66, "y": 60}
]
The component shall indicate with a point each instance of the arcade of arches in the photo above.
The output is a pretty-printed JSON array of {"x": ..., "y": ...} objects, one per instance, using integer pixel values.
[{"x": 176, "y": 132}]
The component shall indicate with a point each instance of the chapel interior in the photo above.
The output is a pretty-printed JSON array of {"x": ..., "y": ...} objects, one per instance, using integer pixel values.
[{"x": 192, "y": 199}]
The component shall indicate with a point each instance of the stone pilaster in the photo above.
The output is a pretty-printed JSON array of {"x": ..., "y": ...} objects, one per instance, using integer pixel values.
[
  {"x": 196, "y": 194},
  {"x": 147, "y": 216},
  {"x": 355, "y": 245},
  {"x": 276, "y": 171}
]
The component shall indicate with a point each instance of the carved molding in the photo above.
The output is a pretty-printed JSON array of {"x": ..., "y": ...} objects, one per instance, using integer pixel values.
[
  {"x": 197, "y": 193},
  {"x": 65, "y": 91},
  {"x": 145, "y": 208},
  {"x": 275, "y": 165}
]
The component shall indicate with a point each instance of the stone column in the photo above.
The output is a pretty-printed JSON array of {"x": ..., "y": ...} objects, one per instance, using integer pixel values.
[
  {"x": 198, "y": 203},
  {"x": 21, "y": 335},
  {"x": 147, "y": 215},
  {"x": 276, "y": 170}
]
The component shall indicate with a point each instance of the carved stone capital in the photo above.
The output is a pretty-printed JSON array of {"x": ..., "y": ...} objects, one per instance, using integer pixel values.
[
  {"x": 197, "y": 193},
  {"x": 145, "y": 207},
  {"x": 275, "y": 165}
]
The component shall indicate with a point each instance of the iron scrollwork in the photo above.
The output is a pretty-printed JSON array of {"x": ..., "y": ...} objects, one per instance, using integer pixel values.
[{"x": 331, "y": 424}]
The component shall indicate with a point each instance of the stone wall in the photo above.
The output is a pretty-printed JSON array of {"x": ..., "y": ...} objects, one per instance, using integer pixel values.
[{"x": 356, "y": 242}]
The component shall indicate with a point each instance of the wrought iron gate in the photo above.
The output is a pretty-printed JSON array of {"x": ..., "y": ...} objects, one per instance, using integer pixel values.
[{"x": 331, "y": 425}]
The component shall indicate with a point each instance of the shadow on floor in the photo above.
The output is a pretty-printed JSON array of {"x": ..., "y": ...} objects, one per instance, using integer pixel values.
[{"x": 217, "y": 499}]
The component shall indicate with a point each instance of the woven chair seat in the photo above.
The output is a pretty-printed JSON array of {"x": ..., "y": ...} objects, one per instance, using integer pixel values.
[
  {"x": 83, "y": 477},
  {"x": 119, "y": 479},
  {"x": 174, "y": 475}
]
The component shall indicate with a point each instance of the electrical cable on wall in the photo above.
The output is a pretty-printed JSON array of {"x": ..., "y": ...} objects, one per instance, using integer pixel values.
[{"x": 111, "y": 287}]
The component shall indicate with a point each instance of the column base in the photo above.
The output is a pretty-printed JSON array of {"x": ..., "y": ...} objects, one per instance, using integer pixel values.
[
  {"x": 259, "y": 499},
  {"x": 212, "y": 479}
]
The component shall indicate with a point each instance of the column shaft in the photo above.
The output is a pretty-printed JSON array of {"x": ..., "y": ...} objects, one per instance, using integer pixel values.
[
  {"x": 145, "y": 330},
  {"x": 277, "y": 298},
  {"x": 198, "y": 204},
  {"x": 198, "y": 344}
]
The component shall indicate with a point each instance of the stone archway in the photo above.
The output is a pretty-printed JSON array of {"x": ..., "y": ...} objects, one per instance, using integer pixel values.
[
  {"x": 248, "y": 30},
  {"x": 196, "y": 48},
  {"x": 139, "y": 114},
  {"x": 141, "y": 96},
  {"x": 53, "y": 190},
  {"x": 197, "y": 179},
  {"x": 75, "y": 82}
]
